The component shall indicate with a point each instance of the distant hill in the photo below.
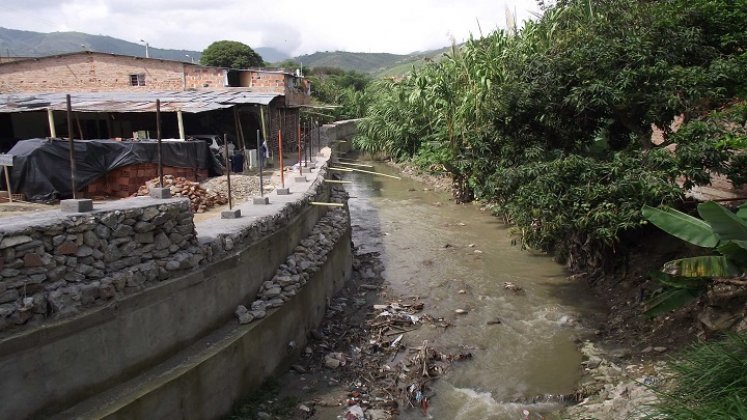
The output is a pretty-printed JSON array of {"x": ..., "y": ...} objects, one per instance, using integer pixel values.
[
  {"x": 376, "y": 64},
  {"x": 18, "y": 43},
  {"x": 35, "y": 44}
]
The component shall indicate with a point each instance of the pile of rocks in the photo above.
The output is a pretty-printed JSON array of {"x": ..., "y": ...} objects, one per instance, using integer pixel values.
[
  {"x": 201, "y": 198},
  {"x": 242, "y": 186},
  {"x": 298, "y": 268}
]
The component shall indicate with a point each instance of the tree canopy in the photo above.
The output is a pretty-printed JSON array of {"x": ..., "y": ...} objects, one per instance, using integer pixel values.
[
  {"x": 231, "y": 54},
  {"x": 551, "y": 123}
]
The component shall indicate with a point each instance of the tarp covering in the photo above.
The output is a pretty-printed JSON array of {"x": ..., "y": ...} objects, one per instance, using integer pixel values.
[{"x": 41, "y": 167}]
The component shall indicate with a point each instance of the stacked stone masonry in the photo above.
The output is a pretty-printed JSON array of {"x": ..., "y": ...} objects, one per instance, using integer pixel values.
[
  {"x": 58, "y": 266},
  {"x": 54, "y": 265}
]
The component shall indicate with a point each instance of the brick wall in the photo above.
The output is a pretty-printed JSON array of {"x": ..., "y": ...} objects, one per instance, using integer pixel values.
[
  {"x": 199, "y": 77},
  {"x": 89, "y": 72},
  {"x": 125, "y": 181}
]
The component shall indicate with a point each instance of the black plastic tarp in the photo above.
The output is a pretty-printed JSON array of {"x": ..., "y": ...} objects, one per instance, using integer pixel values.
[{"x": 41, "y": 167}]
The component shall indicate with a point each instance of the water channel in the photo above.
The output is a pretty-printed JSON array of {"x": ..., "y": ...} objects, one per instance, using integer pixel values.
[{"x": 460, "y": 257}]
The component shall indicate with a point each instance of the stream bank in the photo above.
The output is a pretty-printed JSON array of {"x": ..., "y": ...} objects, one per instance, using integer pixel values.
[{"x": 441, "y": 300}]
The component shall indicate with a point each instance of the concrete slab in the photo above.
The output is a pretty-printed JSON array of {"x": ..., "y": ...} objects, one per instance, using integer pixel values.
[
  {"x": 283, "y": 191},
  {"x": 78, "y": 205},
  {"x": 230, "y": 214},
  {"x": 261, "y": 200},
  {"x": 157, "y": 192},
  {"x": 301, "y": 179}
]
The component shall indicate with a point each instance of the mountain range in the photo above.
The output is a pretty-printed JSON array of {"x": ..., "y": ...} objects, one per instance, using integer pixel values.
[{"x": 19, "y": 43}]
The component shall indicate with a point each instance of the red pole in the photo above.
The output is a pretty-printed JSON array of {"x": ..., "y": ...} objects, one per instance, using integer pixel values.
[
  {"x": 280, "y": 154},
  {"x": 300, "y": 167}
]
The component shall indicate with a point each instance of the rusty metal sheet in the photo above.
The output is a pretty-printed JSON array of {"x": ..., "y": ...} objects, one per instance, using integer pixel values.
[{"x": 191, "y": 101}]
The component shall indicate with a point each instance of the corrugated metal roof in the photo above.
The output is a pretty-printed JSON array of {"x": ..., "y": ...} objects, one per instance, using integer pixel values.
[{"x": 192, "y": 101}]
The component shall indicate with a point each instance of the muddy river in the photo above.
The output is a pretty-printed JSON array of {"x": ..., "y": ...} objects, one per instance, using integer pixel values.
[{"x": 459, "y": 257}]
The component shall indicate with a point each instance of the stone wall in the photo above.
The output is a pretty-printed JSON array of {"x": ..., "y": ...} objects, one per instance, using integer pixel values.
[{"x": 54, "y": 264}]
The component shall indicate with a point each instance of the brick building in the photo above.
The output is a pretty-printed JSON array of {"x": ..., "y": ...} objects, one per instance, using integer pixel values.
[{"x": 114, "y": 96}]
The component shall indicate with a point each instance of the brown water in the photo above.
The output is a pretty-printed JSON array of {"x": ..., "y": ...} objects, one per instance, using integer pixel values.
[{"x": 433, "y": 248}]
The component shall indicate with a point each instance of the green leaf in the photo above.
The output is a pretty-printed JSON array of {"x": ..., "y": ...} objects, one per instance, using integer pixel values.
[
  {"x": 742, "y": 212},
  {"x": 670, "y": 300},
  {"x": 681, "y": 225},
  {"x": 735, "y": 251},
  {"x": 723, "y": 221},
  {"x": 677, "y": 282},
  {"x": 706, "y": 266}
]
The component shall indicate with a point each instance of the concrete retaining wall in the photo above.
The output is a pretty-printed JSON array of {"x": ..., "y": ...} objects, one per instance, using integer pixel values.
[
  {"x": 48, "y": 368},
  {"x": 225, "y": 366},
  {"x": 339, "y": 134}
]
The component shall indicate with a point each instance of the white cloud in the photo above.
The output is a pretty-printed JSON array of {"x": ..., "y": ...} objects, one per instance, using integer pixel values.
[{"x": 297, "y": 28}]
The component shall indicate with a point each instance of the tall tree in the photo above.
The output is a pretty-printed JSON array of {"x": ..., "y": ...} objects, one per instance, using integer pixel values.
[{"x": 231, "y": 54}]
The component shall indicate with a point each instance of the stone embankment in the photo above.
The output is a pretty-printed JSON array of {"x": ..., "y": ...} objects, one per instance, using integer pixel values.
[
  {"x": 54, "y": 267},
  {"x": 307, "y": 258}
]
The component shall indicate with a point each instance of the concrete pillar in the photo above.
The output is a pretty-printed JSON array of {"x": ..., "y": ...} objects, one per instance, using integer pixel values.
[
  {"x": 180, "y": 119},
  {"x": 50, "y": 117}
]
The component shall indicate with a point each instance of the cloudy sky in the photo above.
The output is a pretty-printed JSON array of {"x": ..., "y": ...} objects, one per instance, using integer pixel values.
[{"x": 295, "y": 27}]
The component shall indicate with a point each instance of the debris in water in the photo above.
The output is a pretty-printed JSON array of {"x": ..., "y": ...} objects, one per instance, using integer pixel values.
[{"x": 512, "y": 287}]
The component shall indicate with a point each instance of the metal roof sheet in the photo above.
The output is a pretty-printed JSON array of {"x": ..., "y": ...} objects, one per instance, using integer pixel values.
[{"x": 192, "y": 101}]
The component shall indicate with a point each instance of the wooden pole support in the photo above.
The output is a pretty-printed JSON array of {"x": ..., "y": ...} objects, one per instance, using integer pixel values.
[
  {"x": 318, "y": 203},
  {"x": 374, "y": 173}
]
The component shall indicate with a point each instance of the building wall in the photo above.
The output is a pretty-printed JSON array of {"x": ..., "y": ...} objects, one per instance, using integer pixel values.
[
  {"x": 89, "y": 72},
  {"x": 104, "y": 72},
  {"x": 201, "y": 77}
]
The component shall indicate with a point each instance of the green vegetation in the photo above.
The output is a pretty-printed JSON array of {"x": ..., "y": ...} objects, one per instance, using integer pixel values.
[
  {"x": 231, "y": 54},
  {"x": 360, "y": 62},
  {"x": 345, "y": 90},
  {"x": 552, "y": 123},
  {"x": 710, "y": 382},
  {"x": 720, "y": 231}
]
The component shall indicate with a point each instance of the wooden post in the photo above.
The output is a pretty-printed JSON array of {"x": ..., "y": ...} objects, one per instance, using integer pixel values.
[
  {"x": 180, "y": 121},
  {"x": 280, "y": 155},
  {"x": 7, "y": 182},
  {"x": 228, "y": 170},
  {"x": 71, "y": 144},
  {"x": 259, "y": 165},
  {"x": 262, "y": 118},
  {"x": 298, "y": 142},
  {"x": 240, "y": 135},
  {"x": 158, "y": 136},
  {"x": 52, "y": 129}
]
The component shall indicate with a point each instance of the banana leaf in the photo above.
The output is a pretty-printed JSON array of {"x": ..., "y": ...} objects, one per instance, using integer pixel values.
[
  {"x": 742, "y": 212},
  {"x": 681, "y": 225},
  {"x": 735, "y": 251},
  {"x": 670, "y": 300},
  {"x": 723, "y": 221},
  {"x": 676, "y": 282},
  {"x": 706, "y": 266}
]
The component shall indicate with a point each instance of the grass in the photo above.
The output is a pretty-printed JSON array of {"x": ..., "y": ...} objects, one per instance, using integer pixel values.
[{"x": 710, "y": 382}]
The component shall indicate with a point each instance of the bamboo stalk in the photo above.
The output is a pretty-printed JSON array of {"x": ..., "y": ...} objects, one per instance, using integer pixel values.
[
  {"x": 318, "y": 203},
  {"x": 341, "y": 169},
  {"x": 354, "y": 164},
  {"x": 374, "y": 173},
  {"x": 335, "y": 181}
]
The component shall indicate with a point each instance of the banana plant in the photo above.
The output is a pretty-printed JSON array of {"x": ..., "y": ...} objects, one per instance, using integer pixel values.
[{"x": 720, "y": 230}]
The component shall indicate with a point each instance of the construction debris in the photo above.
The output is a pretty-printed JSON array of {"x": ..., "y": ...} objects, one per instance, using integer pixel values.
[
  {"x": 201, "y": 199},
  {"x": 364, "y": 344}
]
